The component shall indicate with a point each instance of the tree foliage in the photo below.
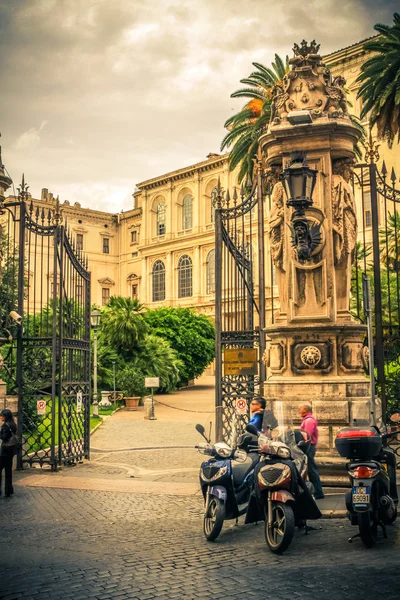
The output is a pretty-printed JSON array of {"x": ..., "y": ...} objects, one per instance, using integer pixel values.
[
  {"x": 380, "y": 81},
  {"x": 192, "y": 335},
  {"x": 122, "y": 323},
  {"x": 246, "y": 126}
]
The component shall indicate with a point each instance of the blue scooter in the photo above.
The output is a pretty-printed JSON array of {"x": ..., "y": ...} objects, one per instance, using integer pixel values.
[{"x": 226, "y": 480}]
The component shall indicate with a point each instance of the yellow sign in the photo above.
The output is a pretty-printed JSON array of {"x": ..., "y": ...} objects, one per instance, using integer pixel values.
[{"x": 241, "y": 361}]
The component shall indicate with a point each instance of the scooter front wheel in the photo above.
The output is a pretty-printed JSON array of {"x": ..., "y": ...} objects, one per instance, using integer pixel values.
[
  {"x": 214, "y": 519},
  {"x": 280, "y": 532}
]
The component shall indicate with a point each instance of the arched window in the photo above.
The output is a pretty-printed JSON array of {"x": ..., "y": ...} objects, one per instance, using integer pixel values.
[
  {"x": 187, "y": 211},
  {"x": 213, "y": 201},
  {"x": 210, "y": 272},
  {"x": 185, "y": 277},
  {"x": 158, "y": 276},
  {"x": 160, "y": 212}
]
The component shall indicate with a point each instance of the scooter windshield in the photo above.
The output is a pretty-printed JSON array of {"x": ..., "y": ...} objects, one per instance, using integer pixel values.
[{"x": 278, "y": 426}]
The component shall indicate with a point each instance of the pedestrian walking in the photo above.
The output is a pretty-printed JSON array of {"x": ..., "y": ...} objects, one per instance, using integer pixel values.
[
  {"x": 8, "y": 449},
  {"x": 309, "y": 424}
]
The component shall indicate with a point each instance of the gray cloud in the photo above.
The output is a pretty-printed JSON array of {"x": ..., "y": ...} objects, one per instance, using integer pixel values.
[{"x": 130, "y": 89}]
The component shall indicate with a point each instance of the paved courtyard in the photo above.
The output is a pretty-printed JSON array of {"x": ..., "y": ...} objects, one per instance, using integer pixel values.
[{"x": 128, "y": 525}]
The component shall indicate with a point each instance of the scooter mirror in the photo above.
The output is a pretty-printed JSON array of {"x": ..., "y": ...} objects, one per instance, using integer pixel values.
[
  {"x": 200, "y": 429},
  {"x": 395, "y": 418},
  {"x": 251, "y": 429}
]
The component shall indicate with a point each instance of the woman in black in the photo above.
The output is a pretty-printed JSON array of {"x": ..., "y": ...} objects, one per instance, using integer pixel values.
[{"x": 8, "y": 428}]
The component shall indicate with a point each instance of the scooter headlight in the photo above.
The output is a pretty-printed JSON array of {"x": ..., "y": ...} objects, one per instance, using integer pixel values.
[
  {"x": 223, "y": 450},
  {"x": 220, "y": 473},
  {"x": 283, "y": 452}
]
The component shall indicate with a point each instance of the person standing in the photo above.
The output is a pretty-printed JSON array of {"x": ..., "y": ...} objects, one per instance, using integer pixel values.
[
  {"x": 309, "y": 424},
  {"x": 7, "y": 452},
  {"x": 257, "y": 407}
]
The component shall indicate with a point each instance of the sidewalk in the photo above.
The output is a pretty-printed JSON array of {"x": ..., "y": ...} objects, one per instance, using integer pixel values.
[
  {"x": 132, "y": 455},
  {"x": 176, "y": 413}
]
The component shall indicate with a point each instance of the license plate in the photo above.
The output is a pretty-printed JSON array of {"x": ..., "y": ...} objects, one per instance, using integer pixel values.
[{"x": 361, "y": 495}]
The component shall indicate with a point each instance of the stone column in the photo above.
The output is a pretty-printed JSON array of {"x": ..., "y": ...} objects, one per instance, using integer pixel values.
[{"x": 315, "y": 351}]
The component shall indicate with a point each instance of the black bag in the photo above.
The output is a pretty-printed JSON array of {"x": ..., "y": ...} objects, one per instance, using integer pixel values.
[{"x": 12, "y": 442}]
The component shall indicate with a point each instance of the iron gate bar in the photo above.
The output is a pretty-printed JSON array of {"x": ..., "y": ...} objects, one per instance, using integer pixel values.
[
  {"x": 379, "y": 352},
  {"x": 236, "y": 304}
]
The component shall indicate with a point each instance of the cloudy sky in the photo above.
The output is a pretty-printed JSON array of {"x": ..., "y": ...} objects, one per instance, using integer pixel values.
[{"x": 98, "y": 95}]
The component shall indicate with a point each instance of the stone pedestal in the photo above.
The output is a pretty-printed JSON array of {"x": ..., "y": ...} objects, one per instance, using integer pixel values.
[
  {"x": 105, "y": 402},
  {"x": 323, "y": 365}
]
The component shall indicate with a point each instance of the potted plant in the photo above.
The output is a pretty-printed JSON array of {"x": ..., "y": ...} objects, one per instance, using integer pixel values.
[{"x": 131, "y": 382}]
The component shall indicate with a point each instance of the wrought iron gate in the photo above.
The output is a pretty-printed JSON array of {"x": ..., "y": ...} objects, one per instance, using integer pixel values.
[
  {"x": 378, "y": 256},
  {"x": 46, "y": 324},
  {"x": 239, "y": 319}
]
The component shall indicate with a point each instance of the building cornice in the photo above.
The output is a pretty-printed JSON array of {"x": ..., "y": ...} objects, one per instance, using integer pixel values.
[
  {"x": 347, "y": 54},
  {"x": 190, "y": 171}
]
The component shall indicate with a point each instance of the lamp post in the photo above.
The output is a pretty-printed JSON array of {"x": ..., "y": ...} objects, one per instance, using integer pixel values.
[
  {"x": 299, "y": 183},
  {"x": 95, "y": 317}
]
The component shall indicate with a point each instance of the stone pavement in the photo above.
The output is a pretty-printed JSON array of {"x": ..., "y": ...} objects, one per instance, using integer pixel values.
[
  {"x": 128, "y": 525},
  {"x": 77, "y": 544}
]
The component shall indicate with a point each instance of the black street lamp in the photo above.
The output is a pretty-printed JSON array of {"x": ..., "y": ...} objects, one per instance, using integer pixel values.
[
  {"x": 299, "y": 183},
  {"x": 95, "y": 317}
]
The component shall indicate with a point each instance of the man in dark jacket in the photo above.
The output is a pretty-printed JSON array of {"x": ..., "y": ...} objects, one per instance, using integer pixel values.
[
  {"x": 7, "y": 431},
  {"x": 257, "y": 407}
]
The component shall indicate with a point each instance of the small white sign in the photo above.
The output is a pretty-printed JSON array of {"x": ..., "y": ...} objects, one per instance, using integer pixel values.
[
  {"x": 152, "y": 382},
  {"x": 241, "y": 406},
  {"x": 79, "y": 402},
  {"x": 41, "y": 407}
]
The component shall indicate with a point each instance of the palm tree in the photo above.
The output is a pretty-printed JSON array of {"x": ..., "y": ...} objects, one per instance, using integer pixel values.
[
  {"x": 380, "y": 79},
  {"x": 246, "y": 126},
  {"x": 156, "y": 358},
  {"x": 123, "y": 326}
]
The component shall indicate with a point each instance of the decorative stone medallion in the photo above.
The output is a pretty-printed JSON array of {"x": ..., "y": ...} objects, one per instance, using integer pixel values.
[{"x": 310, "y": 356}]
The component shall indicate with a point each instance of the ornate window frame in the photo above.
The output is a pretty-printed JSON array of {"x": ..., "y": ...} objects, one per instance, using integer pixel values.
[
  {"x": 158, "y": 281},
  {"x": 185, "y": 276}
]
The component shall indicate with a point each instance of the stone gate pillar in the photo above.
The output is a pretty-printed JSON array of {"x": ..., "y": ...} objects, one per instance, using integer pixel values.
[{"x": 315, "y": 351}]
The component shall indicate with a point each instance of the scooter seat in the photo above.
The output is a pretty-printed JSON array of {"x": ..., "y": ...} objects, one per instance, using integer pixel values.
[{"x": 240, "y": 470}]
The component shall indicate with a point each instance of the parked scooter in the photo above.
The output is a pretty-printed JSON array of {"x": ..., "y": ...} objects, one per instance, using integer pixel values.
[
  {"x": 373, "y": 500},
  {"x": 282, "y": 497},
  {"x": 226, "y": 480}
]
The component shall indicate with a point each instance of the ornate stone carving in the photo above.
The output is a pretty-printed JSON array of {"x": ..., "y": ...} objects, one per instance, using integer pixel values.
[
  {"x": 310, "y": 356},
  {"x": 308, "y": 86},
  {"x": 276, "y": 226},
  {"x": 344, "y": 228},
  {"x": 305, "y": 239},
  {"x": 365, "y": 358},
  {"x": 307, "y": 357}
]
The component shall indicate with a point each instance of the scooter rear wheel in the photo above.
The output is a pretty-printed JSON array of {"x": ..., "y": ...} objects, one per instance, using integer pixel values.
[
  {"x": 214, "y": 519},
  {"x": 279, "y": 536},
  {"x": 368, "y": 529}
]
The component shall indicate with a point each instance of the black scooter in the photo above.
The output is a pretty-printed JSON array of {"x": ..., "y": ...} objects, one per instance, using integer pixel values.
[
  {"x": 226, "y": 480},
  {"x": 373, "y": 500}
]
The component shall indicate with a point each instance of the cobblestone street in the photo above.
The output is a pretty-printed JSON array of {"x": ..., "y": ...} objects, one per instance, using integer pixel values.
[
  {"x": 128, "y": 525},
  {"x": 83, "y": 544}
]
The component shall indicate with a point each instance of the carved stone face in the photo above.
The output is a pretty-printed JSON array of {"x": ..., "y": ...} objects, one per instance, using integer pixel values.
[
  {"x": 301, "y": 232},
  {"x": 347, "y": 173}
]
